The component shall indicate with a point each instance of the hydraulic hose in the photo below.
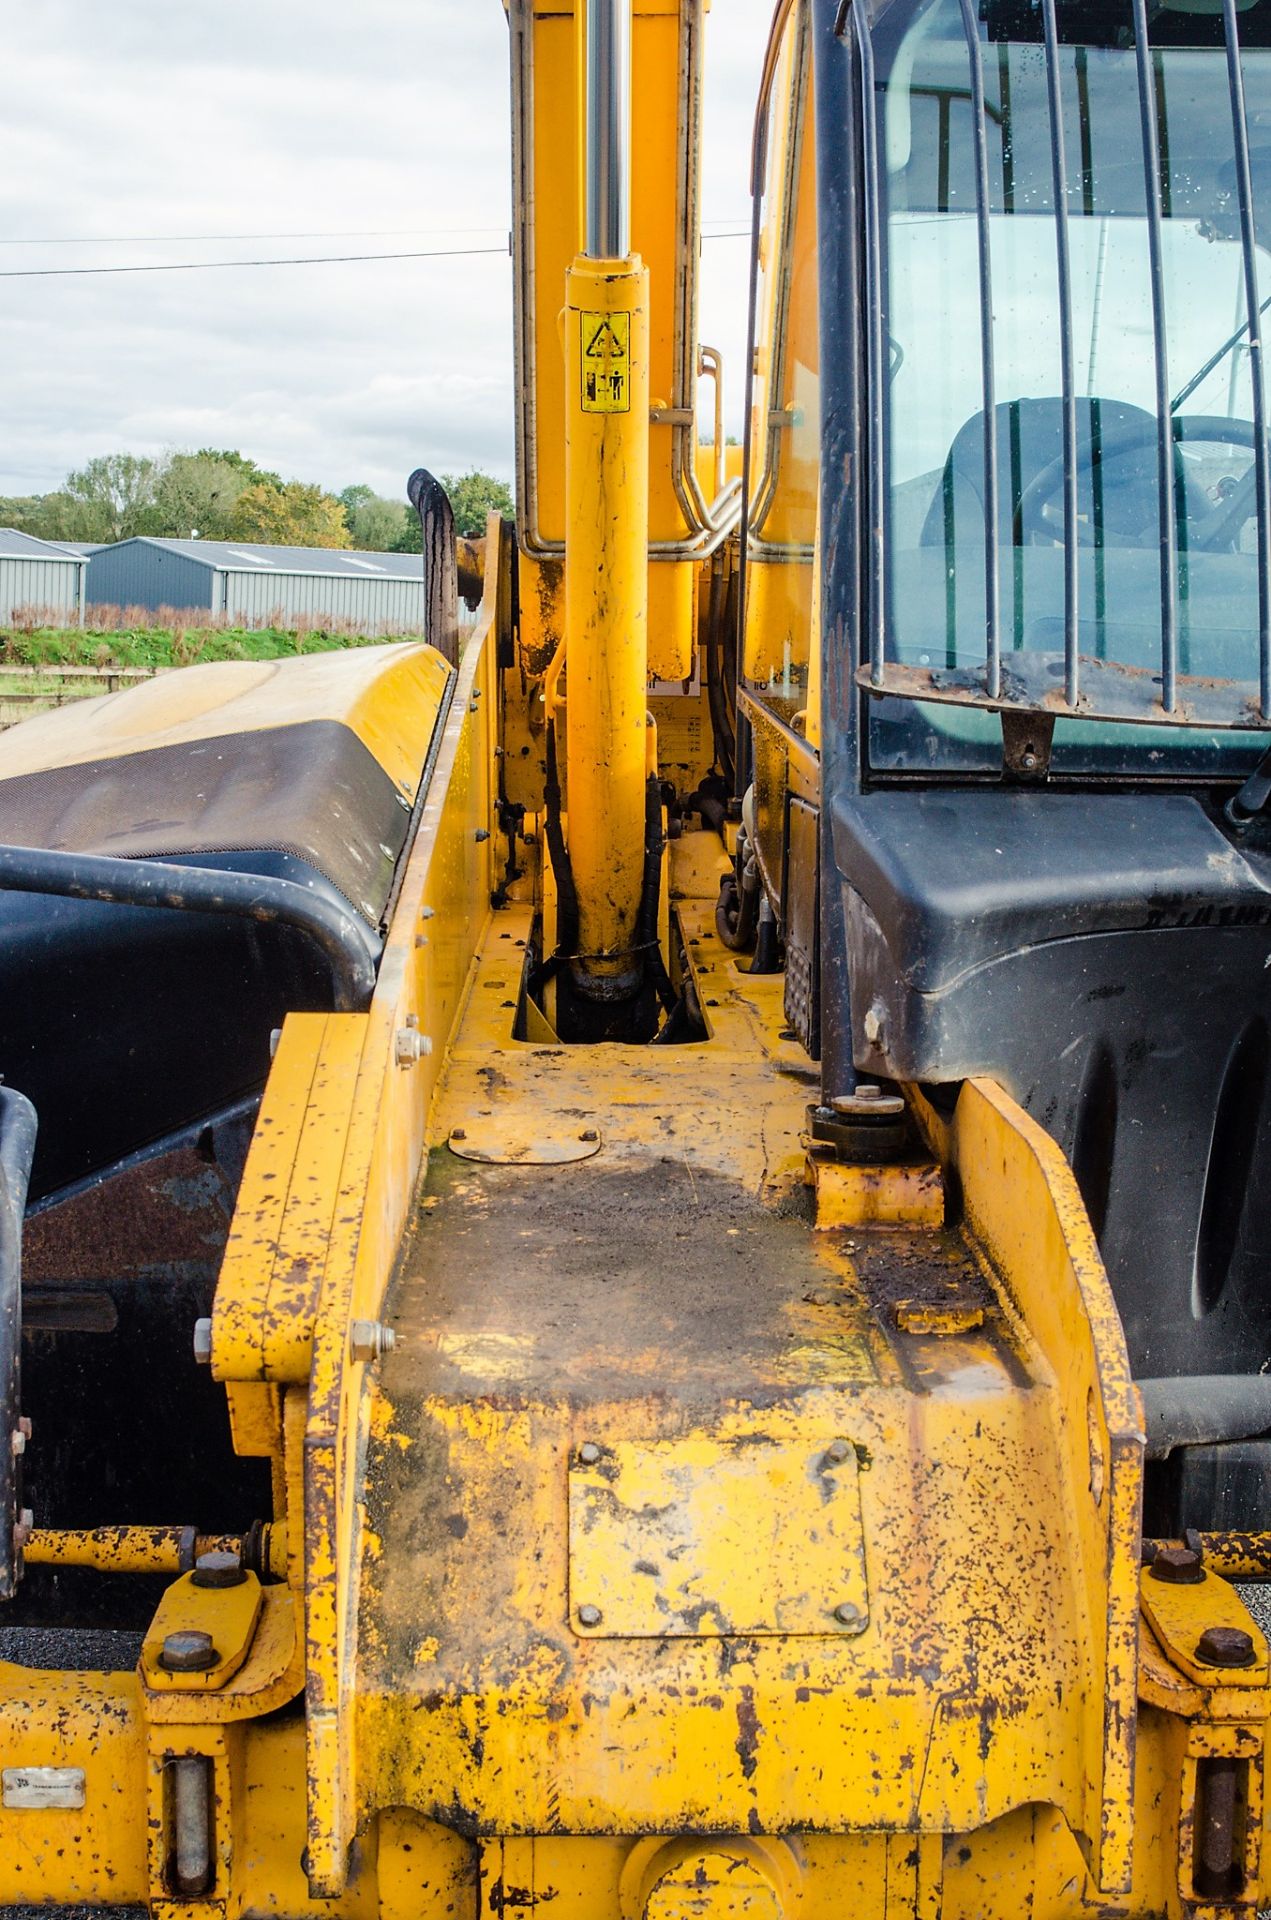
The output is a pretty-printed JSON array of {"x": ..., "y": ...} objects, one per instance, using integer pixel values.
[
  {"x": 336, "y": 933},
  {"x": 17, "y": 1150},
  {"x": 651, "y": 893},
  {"x": 566, "y": 891}
]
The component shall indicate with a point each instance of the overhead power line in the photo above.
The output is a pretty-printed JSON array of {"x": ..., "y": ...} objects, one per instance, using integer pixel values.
[
  {"x": 328, "y": 233},
  {"x": 307, "y": 260},
  {"x": 202, "y": 266}
]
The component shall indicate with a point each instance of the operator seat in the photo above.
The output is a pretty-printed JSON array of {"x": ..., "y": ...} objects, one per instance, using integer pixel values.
[{"x": 1030, "y": 439}]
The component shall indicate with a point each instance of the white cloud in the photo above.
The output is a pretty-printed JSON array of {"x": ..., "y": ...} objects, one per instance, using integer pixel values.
[{"x": 142, "y": 119}]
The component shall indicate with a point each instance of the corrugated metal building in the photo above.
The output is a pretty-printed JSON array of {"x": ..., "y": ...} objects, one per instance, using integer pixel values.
[
  {"x": 262, "y": 586},
  {"x": 36, "y": 574}
]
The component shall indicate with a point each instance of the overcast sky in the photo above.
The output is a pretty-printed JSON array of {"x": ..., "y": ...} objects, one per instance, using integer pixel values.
[{"x": 378, "y": 127}]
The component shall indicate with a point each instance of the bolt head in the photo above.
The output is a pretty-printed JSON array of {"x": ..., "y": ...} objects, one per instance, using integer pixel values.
[
  {"x": 589, "y": 1134},
  {"x": 837, "y": 1452},
  {"x": 849, "y": 1616},
  {"x": 25, "y": 1527},
  {"x": 368, "y": 1339},
  {"x": 1225, "y": 1647},
  {"x": 589, "y": 1453},
  {"x": 218, "y": 1570},
  {"x": 589, "y": 1616},
  {"x": 203, "y": 1342},
  {"x": 410, "y": 1045},
  {"x": 1177, "y": 1567},
  {"x": 190, "y": 1650},
  {"x": 17, "y": 1443}
]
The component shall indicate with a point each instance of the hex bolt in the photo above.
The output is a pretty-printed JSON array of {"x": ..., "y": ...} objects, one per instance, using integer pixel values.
[
  {"x": 218, "y": 1570},
  {"x": 480, "y": 834},
  {"x": 1177, "y": 1567},
  {"x": 203, "y": 1342},
  {"x": 189, "y": 1650},
  {"x": 410, "y": 1045},
  {"x": 849, "y": 1615},
  {"x": 368, "y": 1339},
  {"x": 458, "y": 1133},
  {"x": 17, "y": 1443},
  {"x": 589, "y": 1134},
  {"x": 589, "y": 1616},
  {"x": 1225, "y": 1647},
  {"x": 24, "y": 1426},
  {"x": 837, "y": 1452},
  {"x": 589, "y": 1453},
  {"x": 25, "y": 1527}
]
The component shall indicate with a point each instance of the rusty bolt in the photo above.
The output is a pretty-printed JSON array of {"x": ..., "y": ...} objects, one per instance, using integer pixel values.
[
  {"x": 589, "y": 1453},
  {"x": 846, "y": 1102},
  {"x": 1225, "y": 1647},
  {"x": 218, "y": 1570},
  {"x": 1178, "y": 1567},
  {"x": 837, "y": 1452},
  {"x": 589, "y": 1616},
  {"x": 368, "y": 1339},
  {"x": 849, "y": 1615},
  {"x": 24, "y": 1426},
  {"x": 458, "y": 1133},
  {"x": 189, "y": 1650},
  {"x": 203, "y": 1342},
  {"x": 589, "y": 1134}
]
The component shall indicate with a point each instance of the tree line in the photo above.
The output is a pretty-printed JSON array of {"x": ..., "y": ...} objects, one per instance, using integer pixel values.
[{"x": 221, "y": 494}]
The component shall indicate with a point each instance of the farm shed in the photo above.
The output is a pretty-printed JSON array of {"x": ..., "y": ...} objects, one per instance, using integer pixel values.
[
  {"x": 36, "y": 574},
  {"x": 262, "y": 586}
]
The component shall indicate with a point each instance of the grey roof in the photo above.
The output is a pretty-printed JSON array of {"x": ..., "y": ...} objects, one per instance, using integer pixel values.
[
  {"x": 25, "y": 546},
  {"x": 244, "y": 556},
  {"x": 83, "y": 547}
]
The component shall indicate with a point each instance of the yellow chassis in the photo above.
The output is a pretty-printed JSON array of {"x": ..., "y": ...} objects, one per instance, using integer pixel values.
[{"x": 944, "y": 1687}]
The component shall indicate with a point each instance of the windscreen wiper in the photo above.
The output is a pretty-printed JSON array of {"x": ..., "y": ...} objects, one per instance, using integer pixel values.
[
  {"x": 1252, "y": 797},
  {"x": 1214, "y": 360}
]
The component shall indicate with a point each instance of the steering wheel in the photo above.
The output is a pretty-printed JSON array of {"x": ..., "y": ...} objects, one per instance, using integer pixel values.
[{"x": 1039, "y": 515}]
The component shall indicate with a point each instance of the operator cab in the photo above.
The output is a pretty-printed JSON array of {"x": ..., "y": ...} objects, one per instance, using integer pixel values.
[{"x": 1008, "y": 663}]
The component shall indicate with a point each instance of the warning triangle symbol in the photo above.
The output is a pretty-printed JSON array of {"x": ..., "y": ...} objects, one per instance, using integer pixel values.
[{"x": 604, "y": 342}]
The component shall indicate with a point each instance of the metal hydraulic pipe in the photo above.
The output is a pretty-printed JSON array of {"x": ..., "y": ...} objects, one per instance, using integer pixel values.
[
  {"x": 608, "y": 157},
  {"x": 125, "y": 1549},
  {"x": 606, "y": 549}
]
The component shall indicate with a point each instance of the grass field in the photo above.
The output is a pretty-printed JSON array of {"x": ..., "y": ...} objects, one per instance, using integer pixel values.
[
  {"x": 42, "y": 667},
  {"x": 153, "y": 648}
]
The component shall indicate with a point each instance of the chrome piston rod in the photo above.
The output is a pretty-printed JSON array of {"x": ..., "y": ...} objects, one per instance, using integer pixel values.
[{"x": 608, "y": 87}]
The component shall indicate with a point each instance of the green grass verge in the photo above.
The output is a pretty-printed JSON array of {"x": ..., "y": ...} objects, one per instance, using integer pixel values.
[{"x": 164, "y": 646}]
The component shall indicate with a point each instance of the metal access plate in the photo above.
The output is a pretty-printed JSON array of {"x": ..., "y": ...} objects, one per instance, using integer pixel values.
[
  {"x": 705, "y": 1537},
  {"x": 506, "y": 1141}
]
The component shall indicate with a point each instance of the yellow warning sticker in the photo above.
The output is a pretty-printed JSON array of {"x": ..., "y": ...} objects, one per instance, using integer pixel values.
[{"x": 606, "y": 362}]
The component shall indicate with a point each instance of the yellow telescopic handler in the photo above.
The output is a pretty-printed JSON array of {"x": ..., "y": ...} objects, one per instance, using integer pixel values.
[{"x": 635, "y": 1245}]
